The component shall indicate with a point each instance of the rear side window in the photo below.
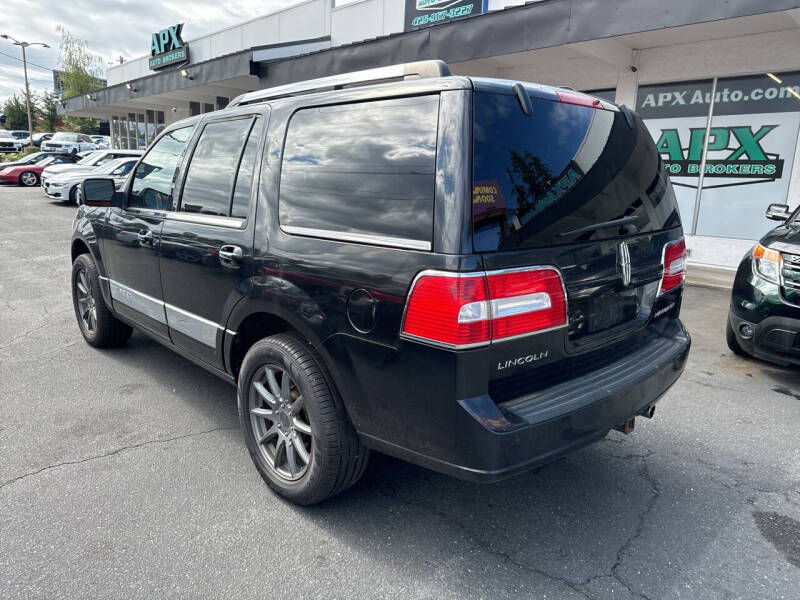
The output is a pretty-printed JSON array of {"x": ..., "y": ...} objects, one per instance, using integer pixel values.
[
  {"x": 362, "y": 172},
  {"x": 213, "y": 166},
  {"x": 154, "y": 178},
  {"x": 244, "y": 179},
  {"x": 542, "y": 179}
]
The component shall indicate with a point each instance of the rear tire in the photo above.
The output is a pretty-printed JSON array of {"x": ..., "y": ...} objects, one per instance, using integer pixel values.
[
  {"x": 28, "y": 179},
  {"x": 287, "y": 405},
  {"x": 733, "y": 343},
  {"x": 100, "y": 328}
]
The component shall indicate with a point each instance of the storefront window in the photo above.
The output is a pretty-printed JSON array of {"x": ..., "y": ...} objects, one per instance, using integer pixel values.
[
  {"x": 734, "y": 139},
  {"x": 751, "y": 148},
  {"x": 132, "y": 131},
  {"x": 115, "y": 132},
  {"x": 151, "y": 126},
  {"x": 159, "y": 122},
  {"x": 123, "y": 133},
  {"x": 141, "y": 132}
]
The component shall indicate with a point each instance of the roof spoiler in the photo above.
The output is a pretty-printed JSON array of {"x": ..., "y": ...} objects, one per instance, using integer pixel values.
[{"x": 414, "y": 70}]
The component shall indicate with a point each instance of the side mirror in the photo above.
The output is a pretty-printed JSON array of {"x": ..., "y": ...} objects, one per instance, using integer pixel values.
[
  {"x": 98, "y": 192},
  {"x": 778, "y": 212}
]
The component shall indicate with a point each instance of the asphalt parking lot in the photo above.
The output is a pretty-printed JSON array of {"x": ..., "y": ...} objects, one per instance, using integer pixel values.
[{"x": 123, "y": 474}]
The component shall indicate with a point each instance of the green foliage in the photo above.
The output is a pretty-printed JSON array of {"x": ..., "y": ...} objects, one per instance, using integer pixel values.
[
  {"x": 81, "y": 73},
  {"x": 16, "y": 115},
  {"x": 19, "y": 155},
  {"x": 81, "y": 70},
  {"x": 48, "y": 110}
]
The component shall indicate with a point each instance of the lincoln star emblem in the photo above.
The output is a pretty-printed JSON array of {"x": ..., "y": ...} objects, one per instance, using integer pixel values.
[{"x": 624, "y": 261}]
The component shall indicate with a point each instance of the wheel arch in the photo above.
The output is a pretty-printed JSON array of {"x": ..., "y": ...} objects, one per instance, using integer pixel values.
[
  {"x": 79, "y": 246},
  {"x": 260, "y": 321},
  {"x": 88, "y": 245}
]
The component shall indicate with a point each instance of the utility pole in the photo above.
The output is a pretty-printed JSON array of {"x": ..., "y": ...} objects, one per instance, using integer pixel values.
[{"x": 24, "y": 45}]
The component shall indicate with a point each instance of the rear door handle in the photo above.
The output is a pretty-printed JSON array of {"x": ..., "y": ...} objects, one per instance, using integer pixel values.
[
  {"x": 145, "y": 237},
  {"x": 230, "y": 256}
]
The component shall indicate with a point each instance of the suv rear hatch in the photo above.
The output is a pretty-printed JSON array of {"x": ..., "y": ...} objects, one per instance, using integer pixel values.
[{"x": 577, "y": 184}]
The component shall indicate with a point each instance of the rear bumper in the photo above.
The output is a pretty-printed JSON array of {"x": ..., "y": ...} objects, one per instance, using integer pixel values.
[{"x": 479, "y": 440}]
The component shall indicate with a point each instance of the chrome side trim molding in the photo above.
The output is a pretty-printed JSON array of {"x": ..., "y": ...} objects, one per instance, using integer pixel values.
[
  {"x": 147, "y": 305},
  {"x": 360, "y": 238},
  {"x": 232, "y": 222},
  {"x": 194, "y": 326}
]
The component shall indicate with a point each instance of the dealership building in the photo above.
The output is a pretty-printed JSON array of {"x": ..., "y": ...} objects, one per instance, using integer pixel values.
[{"x": 717, "y": 83}]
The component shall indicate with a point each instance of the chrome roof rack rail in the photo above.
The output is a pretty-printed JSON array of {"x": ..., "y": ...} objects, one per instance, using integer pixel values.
[{"x": 413, "y": 70}]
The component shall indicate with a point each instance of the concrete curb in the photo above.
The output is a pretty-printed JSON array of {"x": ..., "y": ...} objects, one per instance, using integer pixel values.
[{"x": 711, "y": 277}]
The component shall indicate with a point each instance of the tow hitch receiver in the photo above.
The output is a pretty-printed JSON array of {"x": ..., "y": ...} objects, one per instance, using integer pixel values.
[{"x": 627, "y": 426}]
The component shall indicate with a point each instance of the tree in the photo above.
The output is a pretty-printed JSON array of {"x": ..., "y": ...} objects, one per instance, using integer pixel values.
[
  {"x": 530, "y": 180},
  {"x": 80, "y": 74},
  {"x": 16, "y": 114},
  {"x": 48, "y": 109}
]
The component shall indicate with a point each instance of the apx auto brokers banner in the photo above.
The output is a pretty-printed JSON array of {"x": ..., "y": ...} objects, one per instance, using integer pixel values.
[{"x": 750, "y": 147}]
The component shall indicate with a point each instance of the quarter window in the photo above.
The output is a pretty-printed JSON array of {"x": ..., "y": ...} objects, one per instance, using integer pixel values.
[
  {"x": 154, "y": 178},
  {"x": 363, "y": 172},
  {"x": 212, "y": 170}
]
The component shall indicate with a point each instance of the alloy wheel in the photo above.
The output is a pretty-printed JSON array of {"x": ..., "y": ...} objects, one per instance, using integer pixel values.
[
  {"x": 29, "y": 178},
  {"x": 86, "y": 302},
  {"x": 280, "y": 423}
]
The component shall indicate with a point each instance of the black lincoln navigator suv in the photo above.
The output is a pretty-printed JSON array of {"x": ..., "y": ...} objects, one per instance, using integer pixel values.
[{"x": 474, "y": 275}]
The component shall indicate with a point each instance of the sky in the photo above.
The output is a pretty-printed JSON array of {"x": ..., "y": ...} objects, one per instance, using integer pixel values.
[{"x": 113, "y": 28}]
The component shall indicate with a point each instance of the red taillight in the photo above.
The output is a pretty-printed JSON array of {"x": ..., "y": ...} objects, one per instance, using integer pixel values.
[
  {"x": 568, "y": 97},
  {"x": 674, "y": 265},
  {"x": 450, "y": 309},
  {"x": 526, "y": 301},
  {"x": 470, "y": 310}
]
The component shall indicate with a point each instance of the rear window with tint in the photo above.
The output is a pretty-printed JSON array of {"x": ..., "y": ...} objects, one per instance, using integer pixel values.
[
  {"x": 541, "y": 179},
  {"x": 363, "y": 171}
]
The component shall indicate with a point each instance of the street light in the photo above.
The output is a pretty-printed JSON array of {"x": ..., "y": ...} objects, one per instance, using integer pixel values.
[{"x": 24, "y": 45}]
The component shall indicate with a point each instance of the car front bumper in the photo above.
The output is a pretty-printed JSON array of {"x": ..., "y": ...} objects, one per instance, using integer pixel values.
[
  {"x": 60, "y": 192},
  {"x": 775, "y": 322}
]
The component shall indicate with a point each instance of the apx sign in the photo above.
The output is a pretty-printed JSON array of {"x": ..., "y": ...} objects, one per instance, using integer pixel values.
[
  {"x": 167, "y": 48},
  {"x": 733, "y": 152}
]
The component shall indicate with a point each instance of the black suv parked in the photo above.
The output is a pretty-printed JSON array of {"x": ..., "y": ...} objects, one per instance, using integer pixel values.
[
  {"x": 764, "y": 318},
  {"x": 474, "y": 275}
]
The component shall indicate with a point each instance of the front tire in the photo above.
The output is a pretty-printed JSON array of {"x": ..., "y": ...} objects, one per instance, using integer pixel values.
[
  {"x": 100, "y": 328},
  {"x": 73, "y": 195},
  {"x": 294, "y": 423},
  {"x": 28, "y": 179}
]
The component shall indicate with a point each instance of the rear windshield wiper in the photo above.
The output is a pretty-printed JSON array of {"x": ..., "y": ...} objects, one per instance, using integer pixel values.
[{"x": 601, "y": 225}]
